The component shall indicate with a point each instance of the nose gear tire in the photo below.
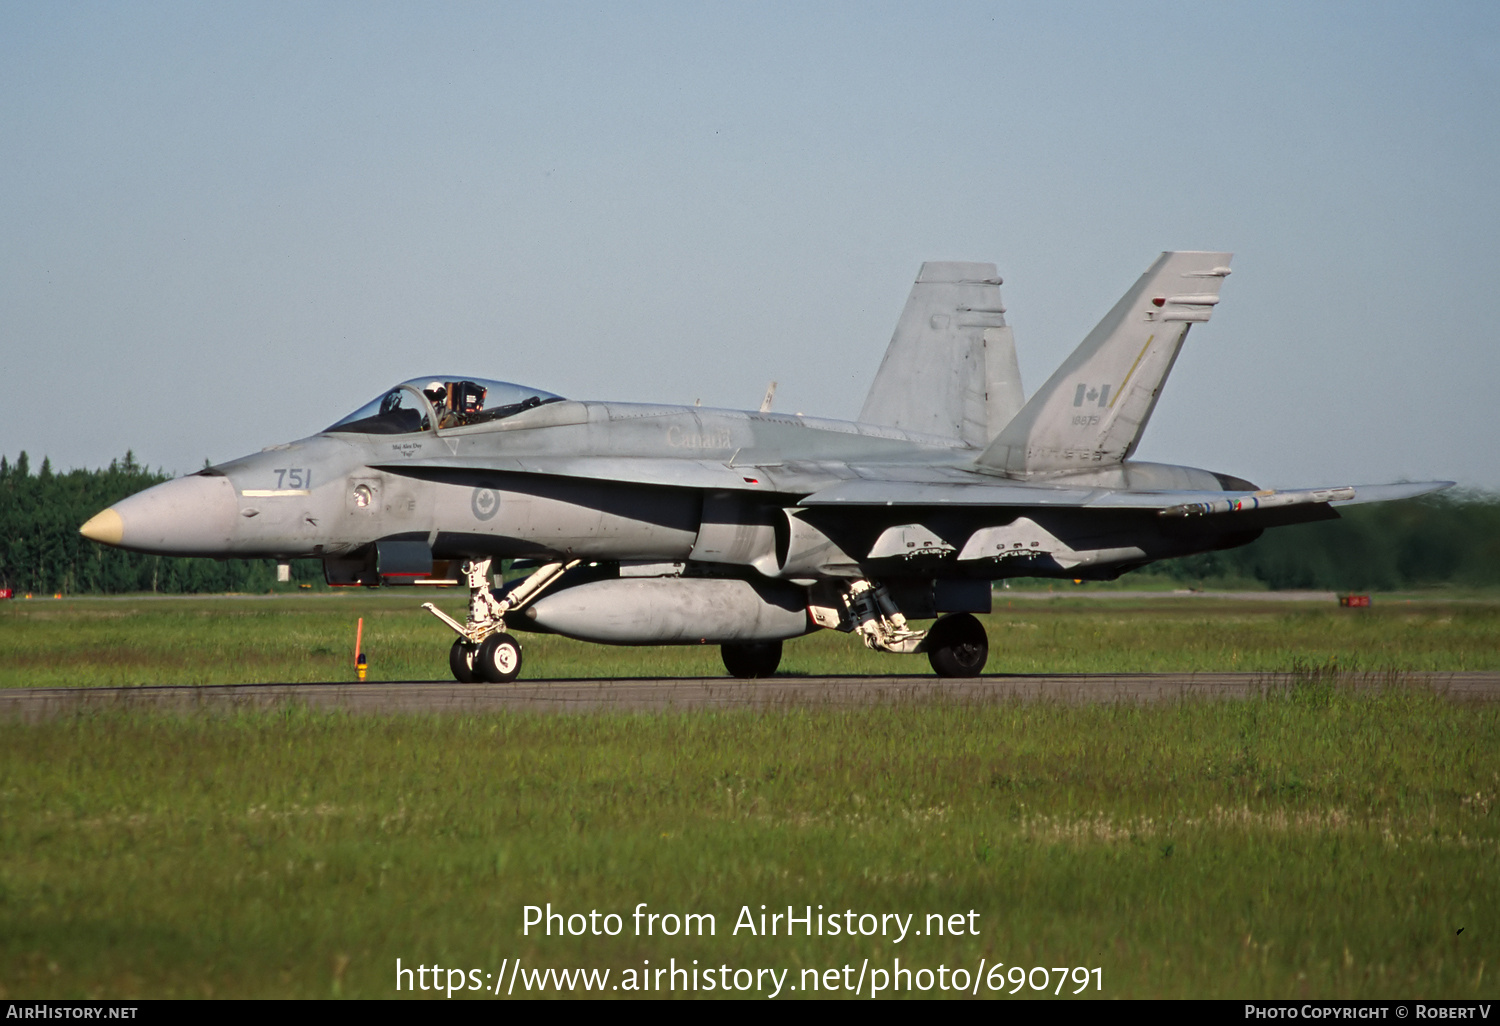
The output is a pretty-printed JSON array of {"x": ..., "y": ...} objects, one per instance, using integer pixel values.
[
  {"x": 461, "y": 662},
  {"x": 499, "y": 659}
]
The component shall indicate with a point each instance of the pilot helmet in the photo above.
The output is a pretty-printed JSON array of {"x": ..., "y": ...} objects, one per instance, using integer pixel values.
[{"x": 436, "y": 391}]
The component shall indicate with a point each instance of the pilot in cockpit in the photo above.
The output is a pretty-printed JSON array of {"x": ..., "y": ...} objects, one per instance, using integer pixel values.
[
  {"x": 416, "y": 404},
  {"x": 455, "y": 402}
]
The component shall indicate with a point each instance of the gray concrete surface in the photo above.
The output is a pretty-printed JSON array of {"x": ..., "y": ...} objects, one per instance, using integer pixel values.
[{"x": 35, "y": 704}]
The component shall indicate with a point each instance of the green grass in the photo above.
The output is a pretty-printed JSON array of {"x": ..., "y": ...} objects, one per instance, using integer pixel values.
[
  {"x": 1322, "y": 841},
  {"x": 1329, "y": 839},
  {"x": 237, "y": 640}
]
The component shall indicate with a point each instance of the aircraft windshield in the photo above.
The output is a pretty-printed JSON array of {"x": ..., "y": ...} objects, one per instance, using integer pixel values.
[{"x": 457, "y": 401}]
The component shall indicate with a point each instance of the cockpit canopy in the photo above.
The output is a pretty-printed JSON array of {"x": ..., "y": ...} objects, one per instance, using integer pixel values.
[{"x": 453, "y": 400}]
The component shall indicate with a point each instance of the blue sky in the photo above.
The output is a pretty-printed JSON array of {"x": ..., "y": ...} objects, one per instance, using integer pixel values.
[{"x": 224, "y": 226}]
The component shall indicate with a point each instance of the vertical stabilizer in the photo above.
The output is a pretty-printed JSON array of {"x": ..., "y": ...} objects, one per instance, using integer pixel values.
[
  {"x": 1092, "y": 411},
  {"x": 951, "y": 366}
]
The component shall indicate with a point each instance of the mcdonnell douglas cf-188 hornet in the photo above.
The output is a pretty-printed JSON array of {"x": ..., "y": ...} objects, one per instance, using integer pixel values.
[{"x": 657, "y": 525}]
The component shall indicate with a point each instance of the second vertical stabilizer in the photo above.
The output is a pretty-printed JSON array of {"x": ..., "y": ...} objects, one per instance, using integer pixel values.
[{"x": 1091, "y": 412}]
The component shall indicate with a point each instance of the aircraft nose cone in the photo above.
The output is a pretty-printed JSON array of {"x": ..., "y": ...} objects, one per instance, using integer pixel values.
[
  {"x": 191, "y": 516},
  {"x": 106, "y": 527}
]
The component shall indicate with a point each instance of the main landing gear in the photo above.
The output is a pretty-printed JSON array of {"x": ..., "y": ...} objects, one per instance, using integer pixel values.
[
  {"x": 750, "y": 659},
  {"x": 957, "y": 646},
  {"x": 483, "y": 651}
]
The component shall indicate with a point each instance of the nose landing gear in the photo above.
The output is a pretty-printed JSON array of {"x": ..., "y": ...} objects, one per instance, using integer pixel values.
[{"x": 483, "y": 651}]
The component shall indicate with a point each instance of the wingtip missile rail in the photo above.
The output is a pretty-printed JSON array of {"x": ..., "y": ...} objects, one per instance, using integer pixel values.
[{"x": 1259, "y": 500}]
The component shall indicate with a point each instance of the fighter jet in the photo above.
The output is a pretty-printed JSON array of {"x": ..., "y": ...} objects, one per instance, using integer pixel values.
[{"x": 658, "y": 525}]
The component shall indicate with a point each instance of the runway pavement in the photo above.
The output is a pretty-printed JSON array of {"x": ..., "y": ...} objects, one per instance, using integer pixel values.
[{"x": 551, "y": 696}]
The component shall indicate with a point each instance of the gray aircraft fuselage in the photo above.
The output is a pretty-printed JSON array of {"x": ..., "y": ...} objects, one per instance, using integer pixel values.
[{"x": 697, "y": 474}]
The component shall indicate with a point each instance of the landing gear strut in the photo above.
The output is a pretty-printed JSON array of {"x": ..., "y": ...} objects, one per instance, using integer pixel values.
[
  {"x": 483, "y": 650},
  {"x": 878, "y": 622}
]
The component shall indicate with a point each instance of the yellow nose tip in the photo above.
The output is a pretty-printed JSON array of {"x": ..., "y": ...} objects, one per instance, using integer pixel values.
[{"x": 106, "y": 527}]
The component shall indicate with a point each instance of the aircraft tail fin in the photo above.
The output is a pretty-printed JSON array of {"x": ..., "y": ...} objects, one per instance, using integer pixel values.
[
  {"x": 951, "y": 366},
  {"x": 1091, "y": 412}
]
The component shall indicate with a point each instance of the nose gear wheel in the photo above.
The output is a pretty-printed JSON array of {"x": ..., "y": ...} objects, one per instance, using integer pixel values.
[
  {"x": 472, "y": 657},
  {"x": 461, "y": 662},
  {"x": 499, "y": 659}
]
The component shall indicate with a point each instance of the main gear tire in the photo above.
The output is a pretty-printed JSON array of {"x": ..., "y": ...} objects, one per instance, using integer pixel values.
[
  {"x": 461, "y": 661},
  {"x": 750, "y": 659},
  {"x": 957, "y": 646},
  {"x": 498, "y": 660}
]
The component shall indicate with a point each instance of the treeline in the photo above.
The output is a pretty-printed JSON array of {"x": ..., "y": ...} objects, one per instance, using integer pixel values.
[
  {"x": 1452, "y": 539},
  {"x": 42, "y": 552}
]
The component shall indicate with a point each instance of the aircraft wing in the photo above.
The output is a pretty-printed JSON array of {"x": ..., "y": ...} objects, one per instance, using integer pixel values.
[
  {"x": 1166, "y": 502},
  {"x": 897, "y": 484},
  {"x": 824, "y": 483}
]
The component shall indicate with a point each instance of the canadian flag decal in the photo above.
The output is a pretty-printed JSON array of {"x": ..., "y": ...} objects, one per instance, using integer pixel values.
[{"x": 1091, "y": 393}]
